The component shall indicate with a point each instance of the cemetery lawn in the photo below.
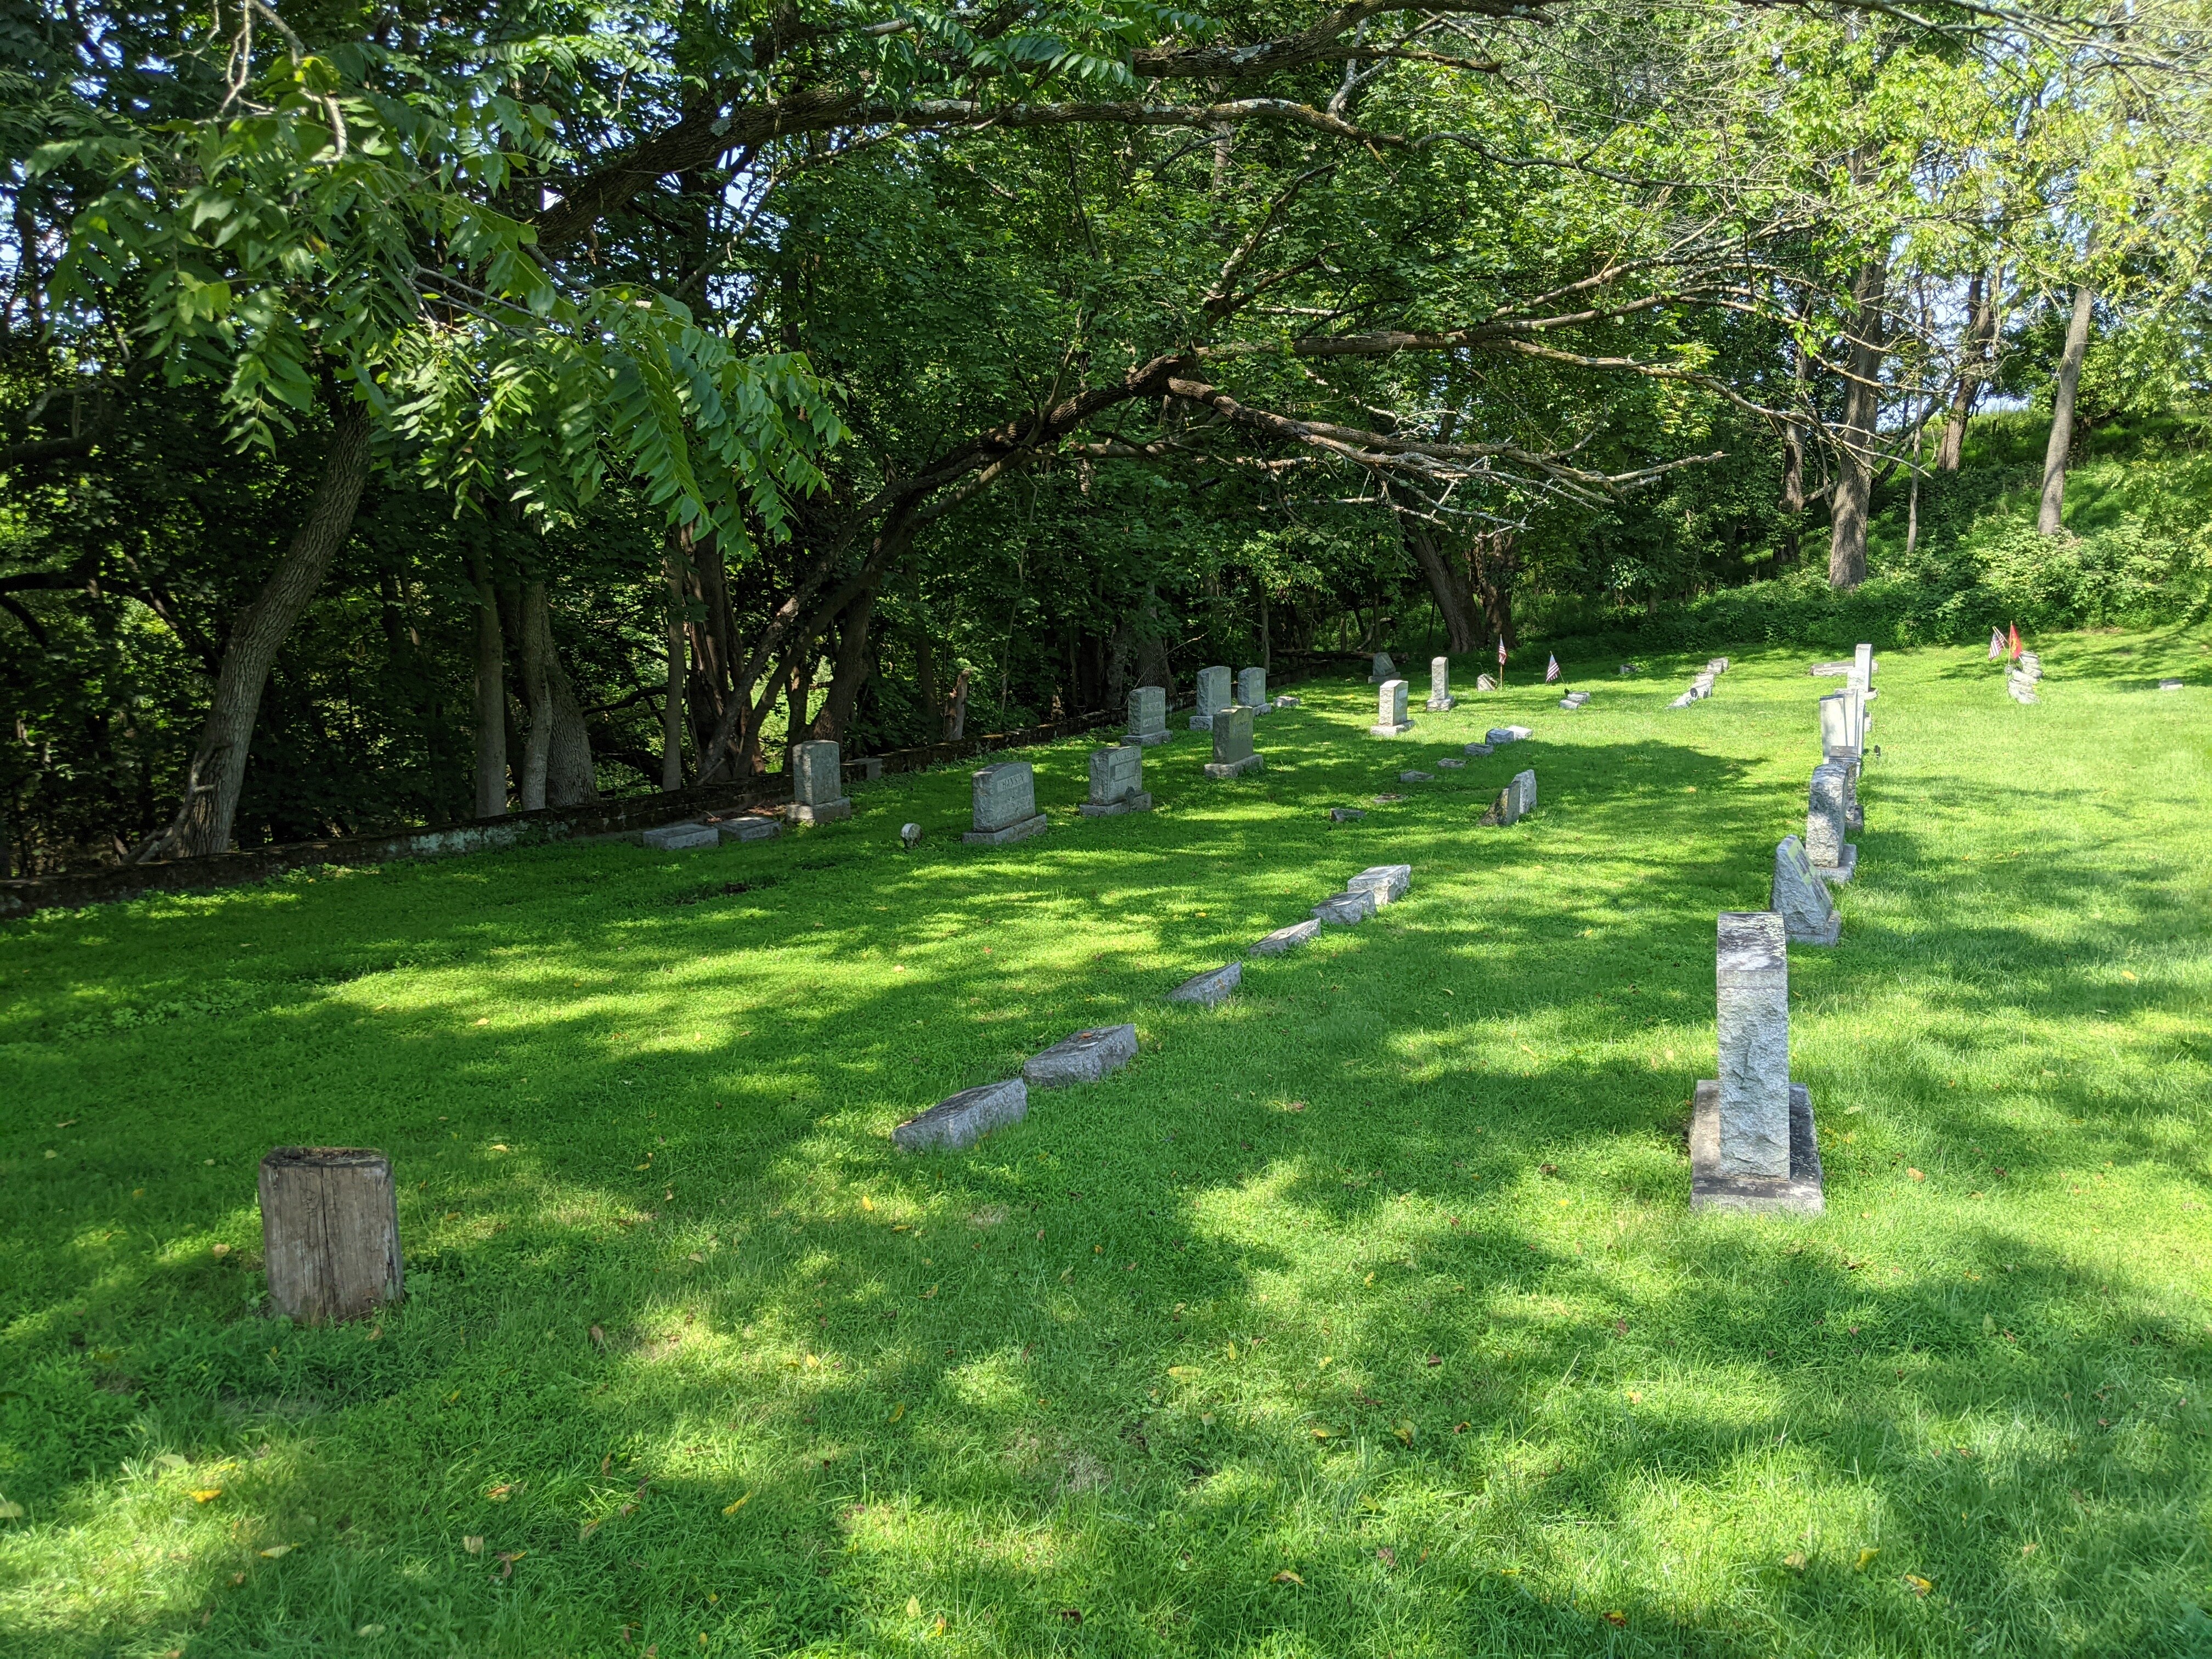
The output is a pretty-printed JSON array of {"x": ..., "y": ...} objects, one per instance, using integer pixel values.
[{"x": 1362, "y": 1316}]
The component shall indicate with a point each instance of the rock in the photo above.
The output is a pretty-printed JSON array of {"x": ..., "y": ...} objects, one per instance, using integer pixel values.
[
  {"x": 1284, "y": 939},
  {"x": 1345, "y": 909},
  {"x": 960, "y": 1120},
  {"x": 1476, "y": 749},
  {"x": 1451, "y": 762},
  {"x": 1205, "y": 990},
  {"x": 1416, "y": 777},
  {"x": 1083, "y": 1058},
  {"x": 1385, "y": 881},
  {"x": 681, "y": 837},
  {"x": 1801, "y": 899}
]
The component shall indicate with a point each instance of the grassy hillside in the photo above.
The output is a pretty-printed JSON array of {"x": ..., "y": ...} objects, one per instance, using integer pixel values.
[{"x": 1364, "y": 1315}]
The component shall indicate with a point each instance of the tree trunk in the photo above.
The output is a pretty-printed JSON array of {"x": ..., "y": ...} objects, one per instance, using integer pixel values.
[
  {"x": 490, "y": 692},
  {"x": 672, "y": 710},
  {"x": 835, "y": 720},
  {"x": 571, "y": 778},
  {"x": 1853, "y": 494},
  {"x": 1449, "y": 587},
  {"x": 2048, "y": 520},
  {"x": 1493, "y": 561},
  {"x": 330, "y": 1232},
  {"x": 538, "y": 694},
  {"x": 202, "y": 823},
  {"x": 1973, "y": 370},
  {"x": 955, "y": 708}
]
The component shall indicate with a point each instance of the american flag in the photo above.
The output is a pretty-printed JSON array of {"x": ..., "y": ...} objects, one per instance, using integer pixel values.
[
  {"x": 1501, "y": 653},
  {"x": 1996, "y": 645},
  {"x": 1550, "y": 671}
]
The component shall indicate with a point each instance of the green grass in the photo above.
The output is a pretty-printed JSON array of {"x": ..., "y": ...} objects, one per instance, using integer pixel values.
[{"x": 1381, "y": 1276}]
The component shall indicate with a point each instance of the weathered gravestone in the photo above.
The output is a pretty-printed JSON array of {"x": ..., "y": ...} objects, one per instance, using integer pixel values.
[
  {"x": 330, "y": 1232},
  {"x": 1827, "y": 822},
  {"x": 680, "y": 837},
  {"x": 1083, "y": 1058},
  {"x": 1440, "y": 697},
  {"x": 1838, "y": 735},
  {"x": 1286, "y": 700},
  {"x": 1252, "y": 690},
  {"x": 1391, "y": 719},
  {"x": 1233, "y": 746},
  {"x": 1498, "y": 734},
  {"x": 1205, "y": 990},
  {"x": 1476, "y": 749},
  {"x": 867, "y": 769},
  {"x": 1345, "y": 909},
  {"x": 1382, "y": 669},
  {"x": 1685, "y": 701},
  {"x": 1484, "y": 682},
  {"x": 1005, "y": 805},
  {"x": 1515, "y": 802},
  {"x": 1829, "y": 670},
  {"x": 1801, "y": 899},
  {"x": 1716, "y": 666},
  {"x": 960, "y": 1120},
  {"x": 1286, "y": 938},
  {"x": 1386, "y": 881},
  {"x": 1751, "y": 1129},
  {"x": 817, "y": 783},
  {"x": 1862, "y": 659},
  {"x": 1117, "y": 782},
  {"x": 1574, "y": 700},
  {"x": 1214, "y": 694},
  {"x": 1417, "y": 776},
  {"x": 747, "y": 827},
  {"x": 1148, "y": 716},
  {"x": 1345, "y": 814},
  {"x": 1451, "y": 762},
  {"x": 2169, "y": 686}
]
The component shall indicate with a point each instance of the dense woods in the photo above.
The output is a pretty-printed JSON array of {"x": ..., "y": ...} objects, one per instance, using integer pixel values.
[{"x": 408, "y": 416}]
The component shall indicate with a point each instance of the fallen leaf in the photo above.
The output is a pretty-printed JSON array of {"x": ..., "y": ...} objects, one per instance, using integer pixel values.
[
  {"x": 867, "y": 1203},
  {"x": 2128, "y": 976},
  {"x": 473, "y": 1544},
  {"x": 276, "y": 1550},
  {"x": 483, "y": 1022},
  {"x": 172, "y": 1461},
  {"x": 1866, "y": 1555},
  {"x": 1321, "y": 1433},
  {"x": 1916, "y": 1174},
  {"x": 1072, "y": 1615},
  {"x": 506, "y": 1561},
  {"x": 1916, "y": 1584},
  {"x": 731, "y": 1509},
  {"x": 930, "y": 1293},
  {"x": 1287, "y": 1576},
  {"x": 501, "y": 1492},
  {"x": 219, "y": 1249},
  {"x": 1387, "y": 1556},
  {"x": 1794, "y": 1561},
  {"x": 898, "y": 1411},
  {"x": 1405, "y": 1433},
  {"x": 500, "y": 1147},
  {"x": 207, "y": 1494},
  {"x": 1182, "y": 1370},
  {"x": 2027, "y": 1549},
  {"x": 1325, "y": 1360},
  {"x": 1370, "y": 1279},
  {"x": 369, "y": 1630},
  {"x": 1435, "y": 1359},
  {"x": 695, "y": 1256},
  {"x": 1635, "y": 1399},
  {"x": 1617, "y": 1620},
  {"x": 599, "y": 1338},
  {"x": 914, "y": 1606}
]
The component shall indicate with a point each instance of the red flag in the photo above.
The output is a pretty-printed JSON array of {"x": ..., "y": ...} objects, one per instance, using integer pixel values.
[
  {"x": 1552, "y": 671},
  {"x": 2013, "y": 636}
]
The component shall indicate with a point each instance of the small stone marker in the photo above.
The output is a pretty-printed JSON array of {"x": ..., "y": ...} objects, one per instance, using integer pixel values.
[
  {"x": 1498, "y": 734},
  {"x": 2021, "y": 693},
  {"x": 1574, "y": 700},
  {"x": 1345, "y": 814},
  {"x": 330, "y": 1232},
  {"x": 1827, "y": 822},
  {"x": 1117, "y": 782},
  {"x": 1416, "y": 777},
  {"x": 1440, "y": 697},
  {"x": 1005, "y": 805},
  {"x": 681, "y": 837},
  {"x": 1345, "y": 909},
  {"x": 1476, "y": 749},
  {"x": 1751, "y": 1146},
  {"x": 1286, "y": 938},
  {"x": 1629, "y": 668},
  {"x": 1484, "y": 682},
  {"x": 1214, "y": 694},
  {"x": 1451, "y": 762},
  {"x": 910, "y": 835},
  {"x": 1148, "y": 716},
  {"x": 749, "y": 828},
  {"x": 817, "y": 784},
  {"x": 1382, "y": 669},
  {"x": 1683, "y": 701},
  {"x": 1716, "y": 666},
  {"x": 1233, "y": 746},
  {"x": 1386, "y": 881},
  {"x": 1252, "y": 690},
  {"x": 1829, "y": 670},
  {"x": 868, "y": 769},
  {"x": 960, "y": 1120},
  {"x": 1286, "y": 700},
  {"x": 2169, "y": 686},
  {"x": 1391, "y": 719},
  {"x": 1207, "y": 990},
  {"x": 1801, "y": 899},
  {"x": 1083, "y": 1058}
]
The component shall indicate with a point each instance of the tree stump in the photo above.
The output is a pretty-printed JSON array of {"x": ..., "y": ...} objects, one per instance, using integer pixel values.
[{"x": 330, "y": 1232}]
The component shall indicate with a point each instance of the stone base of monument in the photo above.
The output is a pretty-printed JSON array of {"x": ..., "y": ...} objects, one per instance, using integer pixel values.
[
  {"x": 830, "y": 812},
  {"x": 1441, "y": 705},
  {"x": 1020, "y": 831},
  {"x": 1201, "y": 722},
  {"x": 1798, "y": 1192},
  {"x": 1219, "y": 770},
  {"x": 680, "y": 837},
  {"x": 963, "y": 1119},
  {"x": 748, "y": 829},
  {"x": 1138, "y": 803},
  {"x": 1837, "y": 874},
  {"x": 1146, "y": 740},
  {"x": 1389, "y": 730},
  {"x": 1084, "y": 1058}
]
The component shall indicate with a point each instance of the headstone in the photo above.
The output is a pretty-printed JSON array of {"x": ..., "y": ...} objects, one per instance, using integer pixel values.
[
  {"x": 1451, "y": 762},
  {"x": 960, "y": 1120},
  {"x": 1524, "y": 793},
  {"x": 330, "y": 1232},
  {"x": 1498, "y": 734},
  {"x": 1252, "y": 690},
  {"x": 1005, "y": 805},
  {"x": 1416, "y": 777},
  {"x": 1205, "y": 990},
  {"x": 1286, "y": 700},
  {"x": 1476, "y": 749},
  {"x": 1383, "y": 669},
  {"x": 2169, "y": 686},
  {"x": 1117, "y": 782},
  {"x": 1148, "y": 716},
  {"x": 1829, "y": 670},
  {"x": 1827, "y": 824},
  {"x": 681, "y": 837},
  {"x": 1345, "y": 909},
  {"x": 1628, "y": 668},
  {"x": 1391, "y": 719},
  {"x": 1683, "y": 701},
  {"x": 1386, "y": 881},
  {"x": 1716, "y": 666},
  {"x": 2021, "y": 694},
  {"x": 1862, "y": 659},
  {"x": 910, "y": 835},
  {"x": 1801, "y": 899},
  {"x": 1214, "y": 694},
  {"x": 867, "y": 769},
  {"x": 1345, "y": 814},
  {"x": 1233, "y": 746},
  {"x": 1484, "y": 682},
  {"x": 1751, "y": 1144},
  {"x": 1440, "y": 697},
  {"x": 1286, "y": 938},
  {"x": 1839, "y": 738},
  {"x": 1083, "y": 1058},
  {"x": 818, "y": 785},
  {"x": 1574, "y": 700},
  {"x": 749, "y": 828}
]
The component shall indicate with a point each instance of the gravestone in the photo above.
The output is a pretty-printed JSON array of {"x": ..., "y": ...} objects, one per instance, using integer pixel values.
[
  {"x": 960, "y": 1120},
  {"x": 910, "y": 835},
  {"x": 1716, "y": 666},
  {"x": 1440, "y": 697},
  {"x": 1382, "y": 669},
  {"x": 1862, "y": 659},
  {"x": 1286, "y": 938},
  {"x": 681, "y": 837},
  {"x": 1451, "y": 762},
  {"x": 1574, "y": 700},
  {"x": 1838, "y": 737},
  {"x": 2021, "y": 693},
  {"x": 1286, "y": 700},
  {"x": 1233, "y": 746},
  {"x": 330, "y": 1232},
  {"x": 1345, "y": 909},
  {"x": 1683, "y": 701},
  {"x": 1484, "y": 682},
  {"x": 2169, "y": 686},
  {"x": 1801, "y": 899},
  {"x": 1252, "y": 690},
  {"x": 1117, "y": 782},
  {"x": 1214, "y": 694},
  {"x": 1391, "y": 719},
  {"x": 1827, "y": 822},
  {"x": 1829, "y": 670},
  {"x": 1498, "y": 734},
  {"x": 1005, "y": 805},
  {"x": 1148, "y": 716},
  {"x": 1205, "y": 990},
  {"x": 1416, "y": 777},
  {"x": 1386, "y": 881},
  {"x": 817, "y": 785},
  {"x": 749, "y": 828},
  {"x": 1524, "y": 793},
  {"x": 1083, "y": 1058},
  {"x": 867, "y": 769},
  {"x": 1345, "y": 814},
  {"x": 1751, "y": 1144}
]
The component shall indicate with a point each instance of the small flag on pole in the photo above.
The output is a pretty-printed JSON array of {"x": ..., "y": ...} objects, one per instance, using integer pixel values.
[
  {"x": 1501, "y": 653},
  {"x": 2015, "y": 634},
  {"x": 1996, "y": 645},
  {"x": 1552, "y": 671}
]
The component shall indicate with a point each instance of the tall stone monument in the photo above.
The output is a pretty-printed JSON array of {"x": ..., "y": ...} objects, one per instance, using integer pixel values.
[
  {"x": 1827, "y": 822},
  {"x": 1214, "y": 694},
  {"x": 1232, "y": 744},
  {"x": 1440, "y": 697},
  {"x": 1006, "y": 805},
  {"x": 1391, "y": 719},
  {"x": 1148, "y": 716},
  {"x": 818, "y": 785},
  {"x": 1117, "y": 782},
  {"x": 1751, "y": 1129},
  {"x": 1252, "y": 690}
]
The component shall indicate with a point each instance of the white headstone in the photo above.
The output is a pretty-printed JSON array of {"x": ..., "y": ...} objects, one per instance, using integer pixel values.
[
  {"x": 1440, "y": 697},
  {"x": 1391, "y": 717}
]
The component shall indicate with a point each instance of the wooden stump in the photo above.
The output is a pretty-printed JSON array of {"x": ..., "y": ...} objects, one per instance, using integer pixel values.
[{"x": 330, "y": 1232}]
